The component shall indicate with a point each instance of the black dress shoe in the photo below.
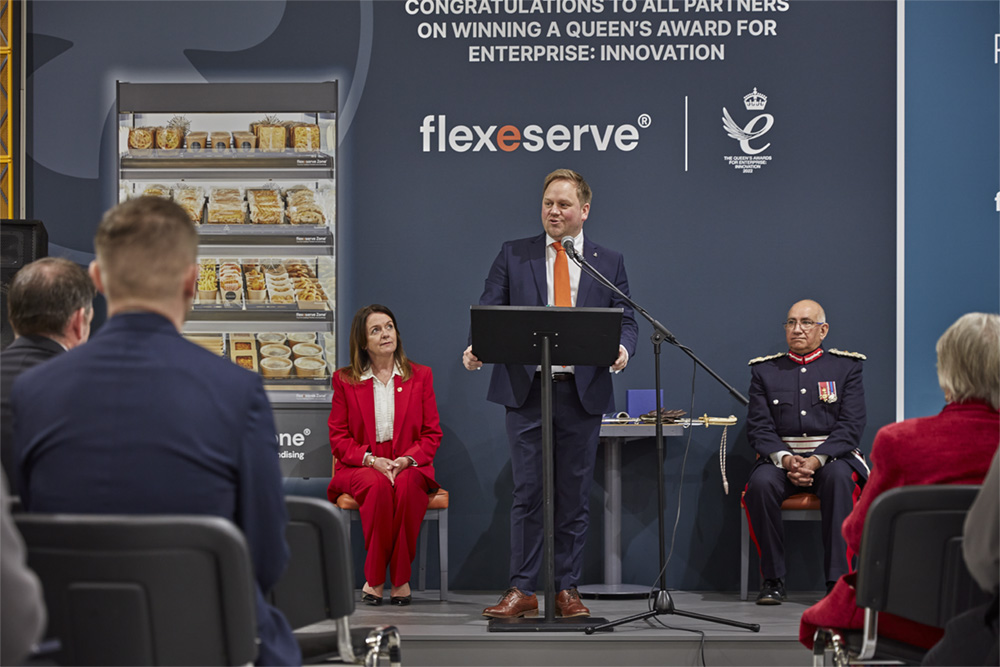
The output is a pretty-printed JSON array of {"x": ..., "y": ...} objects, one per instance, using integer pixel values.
[
  {"x": 368, "y": 598},
  {"x": 772, "y": 591},
  {"x": 400, "y": 600}
]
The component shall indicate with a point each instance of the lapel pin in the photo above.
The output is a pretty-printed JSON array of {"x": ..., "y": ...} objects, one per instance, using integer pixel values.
[{"x": 399, "y": 389}]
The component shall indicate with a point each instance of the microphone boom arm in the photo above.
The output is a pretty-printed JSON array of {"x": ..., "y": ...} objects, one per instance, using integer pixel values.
[{"x": 661, "y": 331}]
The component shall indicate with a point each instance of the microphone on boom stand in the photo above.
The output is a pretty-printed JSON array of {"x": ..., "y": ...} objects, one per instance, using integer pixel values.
[{"x": 663, "y": 604}]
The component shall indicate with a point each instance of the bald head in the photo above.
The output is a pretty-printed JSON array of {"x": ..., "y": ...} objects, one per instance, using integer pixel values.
[
  {"x": 805, "y": 326},
  {"x": 807, "y": 307}
]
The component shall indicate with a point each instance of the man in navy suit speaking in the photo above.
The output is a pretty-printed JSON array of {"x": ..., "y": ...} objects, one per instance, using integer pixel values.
[
  {"x": 535, "y": 271},
  {"x": 141, "y": 421}
]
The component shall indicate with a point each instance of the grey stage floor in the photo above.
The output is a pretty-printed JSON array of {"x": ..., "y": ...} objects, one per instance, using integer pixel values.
[{"x": 455, "y": 633}]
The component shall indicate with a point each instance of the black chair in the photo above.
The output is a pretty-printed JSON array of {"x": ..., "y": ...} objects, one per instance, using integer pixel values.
[
  {"x": 143, "y": 590},
  {"x": 318, "y": 586},
  {"x": 911, "y": 566}
]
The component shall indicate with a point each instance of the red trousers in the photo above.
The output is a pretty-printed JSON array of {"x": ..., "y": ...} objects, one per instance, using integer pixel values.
[{"x": 390, "y": 518}]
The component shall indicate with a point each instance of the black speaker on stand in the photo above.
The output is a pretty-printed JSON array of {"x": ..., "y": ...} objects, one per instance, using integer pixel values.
[{"x": 21, "y": 242}]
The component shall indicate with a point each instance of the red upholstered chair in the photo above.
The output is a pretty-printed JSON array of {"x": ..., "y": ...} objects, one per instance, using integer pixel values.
[
  {"x": 437, "y": 510},
  {"x": 799, "y": 507}
]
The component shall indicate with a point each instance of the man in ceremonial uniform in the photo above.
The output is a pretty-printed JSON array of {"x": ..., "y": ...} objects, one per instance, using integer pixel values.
[{"x": 805, "y": 419}]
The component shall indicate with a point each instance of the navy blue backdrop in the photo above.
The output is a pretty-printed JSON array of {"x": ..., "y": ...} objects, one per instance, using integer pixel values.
[{"x": 715, "y": 252}]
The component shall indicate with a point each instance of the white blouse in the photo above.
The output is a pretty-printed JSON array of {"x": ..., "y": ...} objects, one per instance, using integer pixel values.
[{"x": 385, "y": 403}]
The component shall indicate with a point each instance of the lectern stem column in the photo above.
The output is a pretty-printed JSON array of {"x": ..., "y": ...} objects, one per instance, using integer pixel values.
[{"x": 548, "y": 504}]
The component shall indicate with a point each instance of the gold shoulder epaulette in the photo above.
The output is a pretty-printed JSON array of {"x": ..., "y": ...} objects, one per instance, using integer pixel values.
[
  {"x": 844, "y": 353},
  {"x": 758, "y": 360}
]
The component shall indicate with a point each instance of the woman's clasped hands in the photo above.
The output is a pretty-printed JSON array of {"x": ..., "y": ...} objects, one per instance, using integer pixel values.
[{"x": 391, "y": 467}]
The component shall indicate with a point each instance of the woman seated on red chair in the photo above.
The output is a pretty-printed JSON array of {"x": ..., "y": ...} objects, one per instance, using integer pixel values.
[
  {"x": 954, "y": 446},
  {"x": 384, "y": 431}
]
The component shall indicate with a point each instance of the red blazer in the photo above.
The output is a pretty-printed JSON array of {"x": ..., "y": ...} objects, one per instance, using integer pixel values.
[
  {"x": 955, "y": 446},
  {"x": 416, "y": 427}
]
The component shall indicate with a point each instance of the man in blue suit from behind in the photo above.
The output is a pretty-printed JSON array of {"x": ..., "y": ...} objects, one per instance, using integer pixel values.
[
  {"x": 141, "y": 421},
  {"x": 50, "y": 304},
  {"x": 525, "y": 273}
]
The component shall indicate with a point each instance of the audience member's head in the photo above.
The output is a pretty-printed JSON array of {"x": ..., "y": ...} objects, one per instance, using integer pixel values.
[
  {"x": 52, "y": 297},
  {"x": 147, "y": 253},
  {"x": 968, "y": 359}
]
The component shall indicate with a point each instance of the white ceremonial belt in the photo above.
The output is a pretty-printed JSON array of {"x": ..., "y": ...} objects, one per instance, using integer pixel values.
[{"x": 802, "y": 444}]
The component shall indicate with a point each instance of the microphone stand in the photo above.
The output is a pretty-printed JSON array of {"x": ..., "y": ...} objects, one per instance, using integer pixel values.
[{"x": 664, "y": 603}]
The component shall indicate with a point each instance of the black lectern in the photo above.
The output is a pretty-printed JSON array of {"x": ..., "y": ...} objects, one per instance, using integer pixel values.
[{"x": 545, "y": 336}]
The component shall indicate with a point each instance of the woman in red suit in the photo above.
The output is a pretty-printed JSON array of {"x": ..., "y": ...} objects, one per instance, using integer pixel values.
[
  {"x": 955, "y": 446},
  {"x": 384, "y": 431}
]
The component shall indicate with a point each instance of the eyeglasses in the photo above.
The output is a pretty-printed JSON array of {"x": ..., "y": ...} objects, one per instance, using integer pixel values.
[{"x": 806, "y": 325}]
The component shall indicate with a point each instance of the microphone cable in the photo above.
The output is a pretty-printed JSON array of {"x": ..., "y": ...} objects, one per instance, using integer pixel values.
[{"x": 677, "y": 517}]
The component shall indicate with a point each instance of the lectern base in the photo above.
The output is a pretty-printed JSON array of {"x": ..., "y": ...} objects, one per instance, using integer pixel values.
[{"x": 576, "y": 624}]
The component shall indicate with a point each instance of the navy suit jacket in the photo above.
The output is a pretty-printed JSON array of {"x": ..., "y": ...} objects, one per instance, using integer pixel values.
[
  {"x": 141, "y": 421},
  {"x": 517, "y": 278},
  {"x": 24, "y": 353}
]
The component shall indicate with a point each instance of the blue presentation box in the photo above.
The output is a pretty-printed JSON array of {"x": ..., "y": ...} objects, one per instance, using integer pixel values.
[{"x": 641, "y": 401}]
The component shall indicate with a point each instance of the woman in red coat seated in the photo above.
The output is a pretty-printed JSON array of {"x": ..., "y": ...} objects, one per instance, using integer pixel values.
[
  {"x": 384, "y": 431},
  {"x": 952, "y": 447}
]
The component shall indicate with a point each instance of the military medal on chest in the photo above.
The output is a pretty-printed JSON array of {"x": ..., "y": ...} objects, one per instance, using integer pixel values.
[{"x": 828, "y": 392}]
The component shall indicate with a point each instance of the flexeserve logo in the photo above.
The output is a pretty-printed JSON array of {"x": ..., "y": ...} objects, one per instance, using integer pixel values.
[{"x": 439, "y": 135}]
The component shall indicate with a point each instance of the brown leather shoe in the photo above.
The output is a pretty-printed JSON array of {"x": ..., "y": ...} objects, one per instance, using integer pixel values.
[
  {"x": 568, "y": 604},
  {"x": 513, "y": 604}
]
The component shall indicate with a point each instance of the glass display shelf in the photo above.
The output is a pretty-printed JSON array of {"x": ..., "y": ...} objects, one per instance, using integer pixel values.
[{"x": 255, "y": 167}]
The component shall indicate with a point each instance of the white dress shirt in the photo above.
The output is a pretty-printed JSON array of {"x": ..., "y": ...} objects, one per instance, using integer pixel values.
[
  {"x": 385, "y": 403},
  {"x": 574, "y": 281}
]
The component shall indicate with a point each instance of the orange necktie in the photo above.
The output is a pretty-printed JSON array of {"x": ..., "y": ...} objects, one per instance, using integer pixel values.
[{"x": 560, "y": 277}]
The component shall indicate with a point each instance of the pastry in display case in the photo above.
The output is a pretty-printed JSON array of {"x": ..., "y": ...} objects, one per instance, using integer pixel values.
[
  {"x": 280, "y": 358},
  {"x": 244, "y": 141},
  {"x": 246, "y": 204},
  {"x": 169, "y": 138},
  {"x": 265, "y": 284},
  {"x": 270, "y": 134},
  {"x": 140, "y": 138}
]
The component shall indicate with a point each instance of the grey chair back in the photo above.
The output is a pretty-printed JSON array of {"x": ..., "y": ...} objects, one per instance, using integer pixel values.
[
  {"x": 911, "y": 554},
  {"x": 144, "y": 590},
  {"x": 318, "y": 583},
  {"x": 318, "y": 586}
]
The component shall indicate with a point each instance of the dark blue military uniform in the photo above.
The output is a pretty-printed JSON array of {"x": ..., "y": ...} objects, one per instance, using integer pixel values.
[{"x": 821, "y": 394}]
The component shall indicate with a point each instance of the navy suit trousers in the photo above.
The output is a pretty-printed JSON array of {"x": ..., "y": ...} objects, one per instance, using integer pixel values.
[
  {"x": 837, "y": 486},
  {"x": 576, "y": 434}
]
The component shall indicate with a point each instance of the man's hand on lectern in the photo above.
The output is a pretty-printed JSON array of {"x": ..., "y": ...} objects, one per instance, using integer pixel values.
[{"x": 470, "y": 361}]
